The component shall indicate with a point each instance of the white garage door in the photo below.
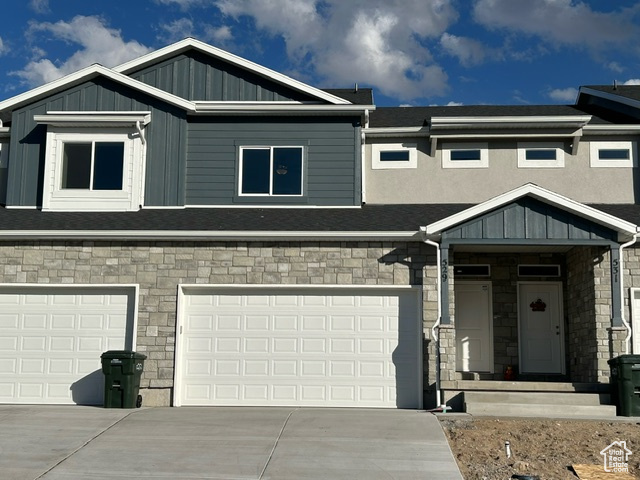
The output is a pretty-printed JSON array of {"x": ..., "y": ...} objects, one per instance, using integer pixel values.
[
  {"x": 306, "y": 347},
  {"x": 51, "y": 340}
]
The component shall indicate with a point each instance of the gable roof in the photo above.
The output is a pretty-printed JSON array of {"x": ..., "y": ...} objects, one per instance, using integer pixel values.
[
  {"x": 84, "y": 75},
  {"x": 631, "y": 92},
  {"x": 624, "y": 228},
  {"x": 193, "y": 44}
]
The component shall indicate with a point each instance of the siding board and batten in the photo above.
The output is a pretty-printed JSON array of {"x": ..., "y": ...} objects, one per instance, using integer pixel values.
[
  {"x": 196, "y": 76},
  {"x": 529, "y": 219},
  {"x": 166, "y": 137}
]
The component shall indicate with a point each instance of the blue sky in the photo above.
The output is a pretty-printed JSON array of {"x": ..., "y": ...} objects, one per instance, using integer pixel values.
[{"x": 411, "y": 52}]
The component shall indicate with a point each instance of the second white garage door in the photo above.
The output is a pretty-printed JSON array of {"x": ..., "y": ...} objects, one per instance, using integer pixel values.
[
  {"x": 306, "y": 347},
  {"x": 51, "y": 339}
]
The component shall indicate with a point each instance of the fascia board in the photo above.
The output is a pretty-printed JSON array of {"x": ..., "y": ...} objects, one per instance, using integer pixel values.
[
  {"x": 243, "y": 63},
  {"x": 541, "y": 194},
  {"x": 396, "y": 131},
  {"x": 206, "y": 235},
  {"x": 230, "y": 108},
  {"x": 94, "y": 117},
  {"x": 542, "y": 121},
  {"x": 608, "y": 96},
  {"x": 87, "y": 74},
  {"x": 611, "y": 129}
]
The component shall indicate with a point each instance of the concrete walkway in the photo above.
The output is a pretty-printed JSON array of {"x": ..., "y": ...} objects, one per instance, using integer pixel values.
[{"x": 53, "y": 443}]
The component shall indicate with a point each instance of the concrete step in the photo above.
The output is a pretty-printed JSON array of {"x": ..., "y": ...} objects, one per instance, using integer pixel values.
[
  {"x": 495, "y": 385},
  {"x": 538, "y": 398},
  {"x": 541, "y": 410}
]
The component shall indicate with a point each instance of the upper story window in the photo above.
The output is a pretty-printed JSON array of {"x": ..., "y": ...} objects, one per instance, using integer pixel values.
[
  {"x": 540, "y": 155},
  {"x": 394, "y": 155},
  {"x": 90, "y": 167},
  {"x": 465, "y": 155},
  {"x": 613, "y": 154},
  {"x": 271, "y": 171}
]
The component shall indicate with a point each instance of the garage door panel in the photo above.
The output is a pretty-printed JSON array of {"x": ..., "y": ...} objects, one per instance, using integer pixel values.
[
  {"x": 299, "y": 349},
  {"x": 51, "y": 341}
]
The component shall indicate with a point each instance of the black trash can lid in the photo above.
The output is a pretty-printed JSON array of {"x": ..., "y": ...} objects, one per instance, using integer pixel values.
[
  {"x": 622, "y": 359},
  {"x": 123, "y": 354}
]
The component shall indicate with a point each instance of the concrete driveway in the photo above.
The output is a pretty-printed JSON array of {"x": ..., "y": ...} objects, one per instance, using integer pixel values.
[{"x": 49, "y": 442}]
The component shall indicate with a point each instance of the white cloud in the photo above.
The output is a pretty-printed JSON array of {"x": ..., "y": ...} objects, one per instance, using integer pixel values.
[
  {"x": 39, "y": 6},
  {"x": 176, "y": 30},
  {"x": 565, "y": 22},
  {"x": 97, "y": 44},
  {"x": 564, "y": 94},
  {"x": 377, "y": 42},
  {"x": 632, "y": 81},
  {"x": 184, "y": 4},
  {"x": 615, "y": 67},
  {"x": 467, "y": 50},
  {"x": 3, "y": 48},
  {"x": 218, "y": 35}
]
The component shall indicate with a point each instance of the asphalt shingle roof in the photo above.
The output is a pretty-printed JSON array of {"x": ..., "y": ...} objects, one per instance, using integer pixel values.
[
  {"x": 627, "y": 91},
  {"x": 369, "y": 218},
  {"x": 421, "y": 116},
  {"x": 362, "y": 96}
]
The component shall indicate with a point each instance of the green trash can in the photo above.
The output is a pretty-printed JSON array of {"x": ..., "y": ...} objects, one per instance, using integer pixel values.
[
  {"x": 625, "y": 385},
  {"x": 122, "y": 372}
]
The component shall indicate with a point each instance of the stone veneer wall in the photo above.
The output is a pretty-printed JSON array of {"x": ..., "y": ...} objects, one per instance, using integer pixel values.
[
  {"x": 504, "y": 284},
  {"x": 158, "y": 268}
]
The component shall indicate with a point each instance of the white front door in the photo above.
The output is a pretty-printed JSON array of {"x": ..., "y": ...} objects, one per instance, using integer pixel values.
[
  {"x": 541, "y": 328},
  {"x": 473, "y": 321}
]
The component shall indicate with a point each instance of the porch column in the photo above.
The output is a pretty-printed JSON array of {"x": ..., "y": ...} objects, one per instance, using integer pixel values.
[
  {"x": 445, "y": 318},
  {"x": 616, "y": 294}
]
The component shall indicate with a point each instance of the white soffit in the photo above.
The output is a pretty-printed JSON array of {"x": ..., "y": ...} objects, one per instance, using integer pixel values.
[
  {"x": 510, "y": 122},
  {"x": 264, "y": 72},
  {"x": 93, "y": 118},
  {"x": 539, "y": 193}
]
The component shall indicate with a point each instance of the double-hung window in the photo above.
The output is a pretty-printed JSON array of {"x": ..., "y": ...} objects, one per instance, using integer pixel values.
[
  {"x": 94, "y": 161},
  {"x": 271, "y": 171}
]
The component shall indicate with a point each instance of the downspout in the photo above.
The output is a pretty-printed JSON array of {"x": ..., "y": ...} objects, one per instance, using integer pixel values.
[
  {"x": 627, "y": 341},
  {"x": 362, "y": 155},
  {"x": 140, "y": 132},
  {"x": 438, "y": 319}
]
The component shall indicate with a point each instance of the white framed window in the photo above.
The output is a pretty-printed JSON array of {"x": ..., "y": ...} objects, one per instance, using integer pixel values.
[
  {"x": 271, "y": 171},
  {"x": 93, "y": 169},
  {"x": 465, "y": 155},
  {"x": 94, "y": 161},
  {"x": 613, "y": 154},
  {"x": 540, "y": 155},
  {"x": 394, "y": 155}
]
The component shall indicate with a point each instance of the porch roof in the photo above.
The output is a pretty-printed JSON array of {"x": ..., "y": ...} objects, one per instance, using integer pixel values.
[{"x": 531, "y": 214}]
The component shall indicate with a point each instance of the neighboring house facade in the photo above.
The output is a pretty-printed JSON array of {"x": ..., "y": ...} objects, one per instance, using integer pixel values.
[{"x": 265, "y": 242}]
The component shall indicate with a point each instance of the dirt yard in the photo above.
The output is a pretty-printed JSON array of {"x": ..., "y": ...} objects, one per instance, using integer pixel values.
[{"x": 545, "y": 448}]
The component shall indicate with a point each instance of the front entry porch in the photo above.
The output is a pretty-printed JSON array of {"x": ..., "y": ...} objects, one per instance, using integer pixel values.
[{"x": 531, "y": 303}]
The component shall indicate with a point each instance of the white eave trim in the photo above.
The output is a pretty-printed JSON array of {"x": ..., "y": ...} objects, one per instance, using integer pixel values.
[
  {"x": 609, "y": 96},
  {"x": 86, "y": 74},
  {"x": 5, "y": 132},
  {"x": 230, "y": 108},
  {"x": 243, "y": 63},
  {"x": 206, "y": 235},
  {"x": 510, "y": 122},
  {"x": 397, "y": 132},
  {"x": 116, "y": 119},
  {"x": 611, "y": 129},
  {"x": 534, "y": 191}
]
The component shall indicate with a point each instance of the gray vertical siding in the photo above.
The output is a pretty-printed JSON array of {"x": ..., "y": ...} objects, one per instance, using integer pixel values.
[
  {"x": 529, "y": 219},
  {"x": 166, "y": 141},
  {"x": 196, "y": 76},
  {"x": 332, "y": 147}
]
